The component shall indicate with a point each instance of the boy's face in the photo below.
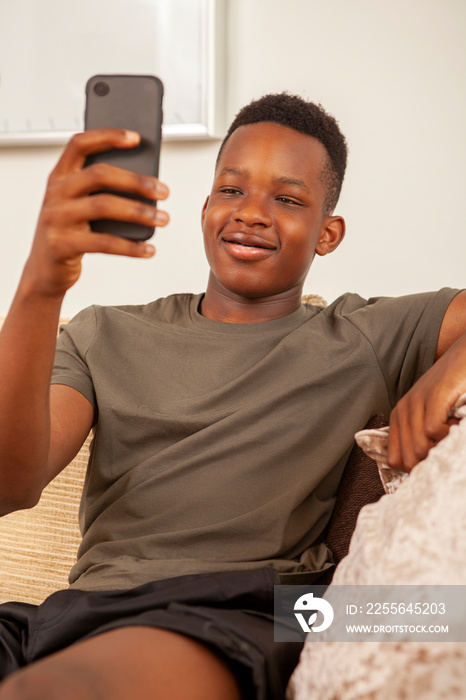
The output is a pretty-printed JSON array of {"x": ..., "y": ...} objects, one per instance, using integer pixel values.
[{"x": 263, "y": 221}]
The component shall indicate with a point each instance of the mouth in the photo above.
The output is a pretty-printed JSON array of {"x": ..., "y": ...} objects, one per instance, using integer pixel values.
[{"x": 245, "y": 246}]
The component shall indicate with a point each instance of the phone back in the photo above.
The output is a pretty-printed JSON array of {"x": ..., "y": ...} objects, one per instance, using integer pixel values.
[{"x": 127, "y": 102}]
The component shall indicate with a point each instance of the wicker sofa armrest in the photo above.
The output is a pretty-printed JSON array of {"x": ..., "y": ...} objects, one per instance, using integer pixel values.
[{"x": 38, "y": 546}]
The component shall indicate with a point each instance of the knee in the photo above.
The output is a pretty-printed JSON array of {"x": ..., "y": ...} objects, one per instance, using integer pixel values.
[
  {"x": 33, "y": 684},
  {"x": 17, "y": 686}
]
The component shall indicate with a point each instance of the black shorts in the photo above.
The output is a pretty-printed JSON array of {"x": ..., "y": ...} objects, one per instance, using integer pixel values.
[{"x": 230, "y": 612}]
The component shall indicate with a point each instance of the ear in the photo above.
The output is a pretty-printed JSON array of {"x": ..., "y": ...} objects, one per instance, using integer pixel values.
[
  {"x": 331, "y": 235},
  {"x": 204, "y": 210}
]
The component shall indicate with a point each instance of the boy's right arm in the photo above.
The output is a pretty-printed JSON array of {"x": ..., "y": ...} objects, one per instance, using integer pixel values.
[{"x": 42, "y": 427}]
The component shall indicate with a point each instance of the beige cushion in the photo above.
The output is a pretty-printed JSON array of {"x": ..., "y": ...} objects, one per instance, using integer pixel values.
[{"x": 38, "y": 546}]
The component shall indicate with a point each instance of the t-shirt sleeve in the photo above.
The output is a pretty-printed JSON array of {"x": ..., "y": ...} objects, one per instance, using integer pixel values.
[
  {"x": 403, "y": 332},
  {"x": 70, "y": 365}
]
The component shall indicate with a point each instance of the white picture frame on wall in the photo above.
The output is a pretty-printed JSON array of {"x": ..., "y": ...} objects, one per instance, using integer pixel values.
[{"x": 49, "y": 49}]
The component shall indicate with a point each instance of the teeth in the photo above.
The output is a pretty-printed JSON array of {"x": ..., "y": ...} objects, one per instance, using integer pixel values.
[{"x": 245, "y": 245}]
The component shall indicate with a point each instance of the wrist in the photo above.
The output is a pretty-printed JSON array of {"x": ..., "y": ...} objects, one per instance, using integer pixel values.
[
  {"x": 35, "y": 304},
  {"x": 34, "y": 288}
]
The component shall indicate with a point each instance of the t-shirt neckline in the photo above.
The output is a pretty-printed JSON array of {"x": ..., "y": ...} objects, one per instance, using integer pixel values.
[{"x": 291, "y": 320}]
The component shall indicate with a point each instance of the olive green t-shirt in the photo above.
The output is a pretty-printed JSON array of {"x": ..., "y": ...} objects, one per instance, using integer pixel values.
[{"x": 220, "y": 446}]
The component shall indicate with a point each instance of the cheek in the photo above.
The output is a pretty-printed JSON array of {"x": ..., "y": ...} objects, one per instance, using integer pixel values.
[
  {"x": 296, "y": 267},
  {"x": 211, "y": 221},
  {"x": 300, "y": 249},
  {"x": 211, "y": 225}
]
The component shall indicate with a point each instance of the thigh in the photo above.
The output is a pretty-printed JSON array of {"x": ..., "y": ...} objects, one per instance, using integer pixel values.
[
  {"x": 228, "y": 614},
  {"x": 127, "y": 663}
]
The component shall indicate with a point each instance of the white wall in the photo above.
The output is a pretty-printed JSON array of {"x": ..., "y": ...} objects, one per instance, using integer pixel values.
[{"x": 393, "y": 75}]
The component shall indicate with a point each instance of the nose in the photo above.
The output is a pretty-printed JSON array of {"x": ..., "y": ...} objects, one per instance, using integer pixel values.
[{"x": 253, "y": 210}]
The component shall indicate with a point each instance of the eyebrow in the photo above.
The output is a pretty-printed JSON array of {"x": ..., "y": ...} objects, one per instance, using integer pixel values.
[
  {"x": 294, "y": 182},
  {"x": 234, "y": 171}
]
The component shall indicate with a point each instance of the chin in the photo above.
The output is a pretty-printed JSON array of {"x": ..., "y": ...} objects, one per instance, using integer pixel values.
[
  {"x": 254, "y": 286},
  {"x": 254, "y": 291}
]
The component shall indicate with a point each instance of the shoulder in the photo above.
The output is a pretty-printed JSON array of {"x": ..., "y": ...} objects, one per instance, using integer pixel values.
[
  {"x": 353, "y": 306},
  {"x": 388, "y": 322},
  {"x": 111, "y": 324},
  {"x": 453, "y": 324},
  {"x": 169, "y": 310}
]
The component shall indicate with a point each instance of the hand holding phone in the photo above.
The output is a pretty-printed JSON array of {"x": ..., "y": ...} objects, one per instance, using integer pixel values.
[
  {"x": 71, "y": 201},
  {"x": 130, "y": 102}
]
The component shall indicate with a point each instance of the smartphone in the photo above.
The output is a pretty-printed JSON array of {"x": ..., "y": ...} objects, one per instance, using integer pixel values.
[{"x": 127, "y": 102}]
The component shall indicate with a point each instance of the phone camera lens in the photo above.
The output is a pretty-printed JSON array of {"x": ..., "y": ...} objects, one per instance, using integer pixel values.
[{"x": 101, "y": 89}]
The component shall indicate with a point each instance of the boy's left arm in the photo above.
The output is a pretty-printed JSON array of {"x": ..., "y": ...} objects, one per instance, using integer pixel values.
[{"x": 421, "y": 417}]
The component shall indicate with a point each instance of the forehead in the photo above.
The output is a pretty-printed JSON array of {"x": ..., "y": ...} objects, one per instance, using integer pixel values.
[{"x": 274, "y": 149}]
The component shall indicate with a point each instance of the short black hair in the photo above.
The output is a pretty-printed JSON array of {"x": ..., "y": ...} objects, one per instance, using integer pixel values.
[{"x": 308, "y": 118}]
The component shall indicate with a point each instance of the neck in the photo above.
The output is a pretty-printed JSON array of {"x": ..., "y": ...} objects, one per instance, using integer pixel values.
[{"x": 220, "y": 304}]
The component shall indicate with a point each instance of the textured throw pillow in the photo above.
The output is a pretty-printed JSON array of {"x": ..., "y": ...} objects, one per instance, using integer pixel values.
[{"x": 415, "y": 535}]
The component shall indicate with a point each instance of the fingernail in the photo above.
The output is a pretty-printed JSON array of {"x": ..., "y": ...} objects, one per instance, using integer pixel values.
[
  {"x": 131, "y": 136},
  {"x": 161, "y": 217},
  {"x": 148, "y": 250},
  {"x": 162, "y": 189}
]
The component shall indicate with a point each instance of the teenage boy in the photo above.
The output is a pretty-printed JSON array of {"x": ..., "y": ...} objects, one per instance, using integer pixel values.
[{"x": 222, "y": 420}]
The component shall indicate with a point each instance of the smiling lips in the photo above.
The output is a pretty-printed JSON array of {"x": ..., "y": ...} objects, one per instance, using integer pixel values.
[{"x": 245, "y": 246}]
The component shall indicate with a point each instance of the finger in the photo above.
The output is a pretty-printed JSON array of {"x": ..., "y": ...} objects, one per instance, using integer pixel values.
[
  {"x": 75, "y": 212},
  {"x": 79, "y": 243},
  {"x": 399, "y": 453},
  {"x": 394, "y": 451},
  {"x": 408, "y": 444},
  {"x": 102, "y": 176},
  {"x": 85, "y": 143},
  {"x": 436, "y": 419},
  {"x": 419, "y": 442},
  {"x": 114, "y": 245}
]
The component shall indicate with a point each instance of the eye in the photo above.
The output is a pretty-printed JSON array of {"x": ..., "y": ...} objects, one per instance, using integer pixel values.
[
  {"x": 289, "y": 200},
  {"x": 230, "y": 190}
]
